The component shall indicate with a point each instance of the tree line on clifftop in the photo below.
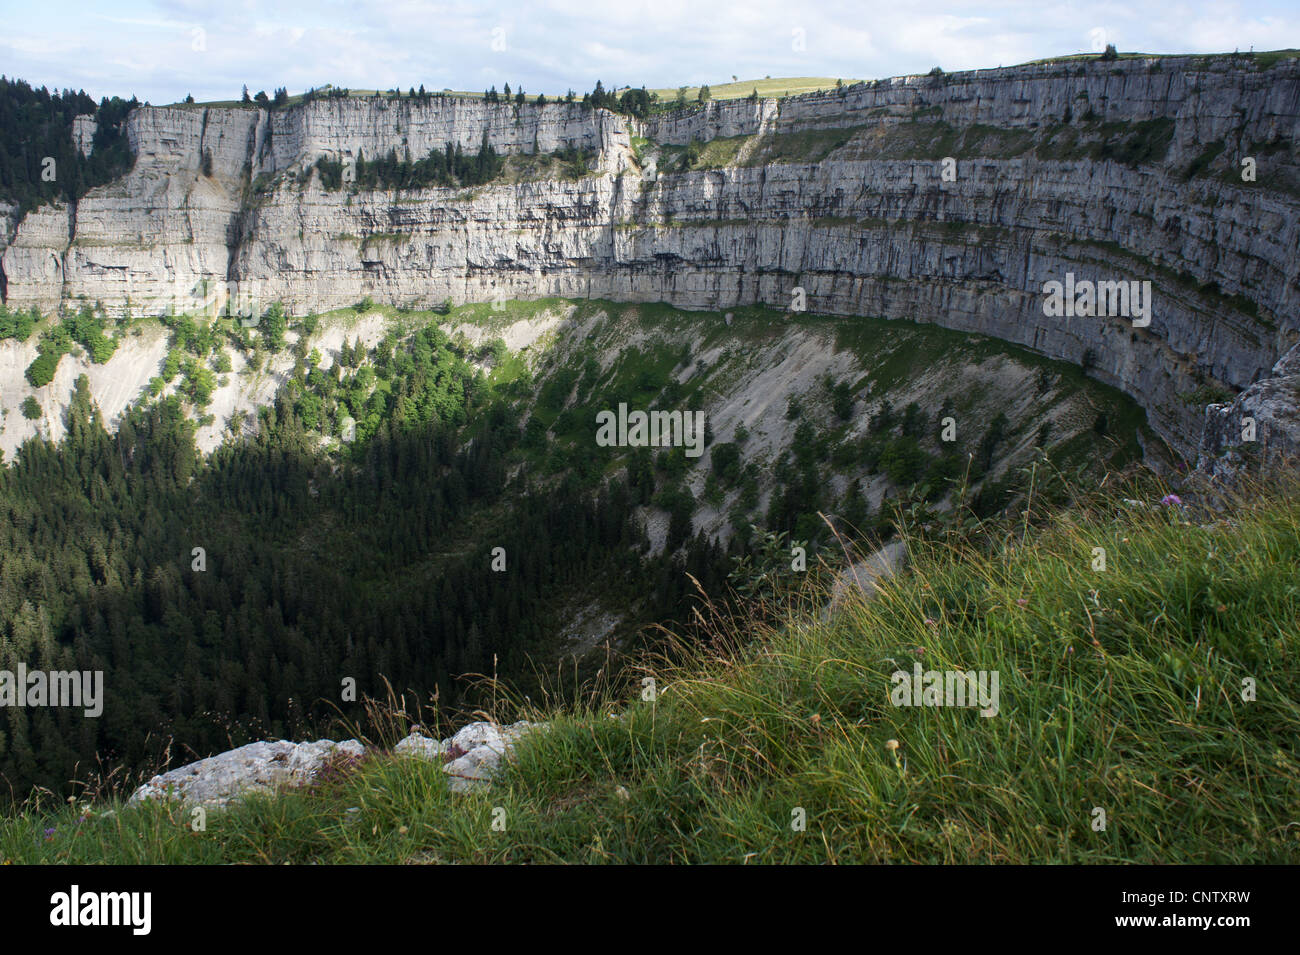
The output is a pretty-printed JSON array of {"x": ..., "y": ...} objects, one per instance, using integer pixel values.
[{"x": 39, "y": 162}]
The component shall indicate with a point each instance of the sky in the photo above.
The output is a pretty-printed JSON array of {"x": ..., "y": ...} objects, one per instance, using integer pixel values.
[{"x": 164, "y": 49}]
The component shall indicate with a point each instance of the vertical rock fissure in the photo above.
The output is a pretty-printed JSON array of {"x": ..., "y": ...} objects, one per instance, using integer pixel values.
[{"x": 63, "y": 258}]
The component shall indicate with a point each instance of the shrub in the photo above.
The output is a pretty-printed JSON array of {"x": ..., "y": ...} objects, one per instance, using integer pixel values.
[
  {"x": 913, "y": 422},
  {"x": 842, "y": 400},
  {"x": 41, "y": 371},
  {"x": 273, "y": 325},
  {"x": 172, "y": 364},
  {"x": 31, "y": 408},
  {"x": 903, "y": 460},
  {"x": 86, "y": 328},
  {"x": 726, "y": 462},
  {"x": 883, "y": 420},
  {"x": 17, "y": 324}
]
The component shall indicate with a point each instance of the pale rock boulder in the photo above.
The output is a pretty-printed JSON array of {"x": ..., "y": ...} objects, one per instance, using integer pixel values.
[
  {"x": 257, "y": 767},
  {"x": 421, "y": 747},
  {"x": 474, "y": 735},
  {"x": 474, "y": 770},
  {"x": 478, "y": 751},
  {"x": 486, "y": 746}
]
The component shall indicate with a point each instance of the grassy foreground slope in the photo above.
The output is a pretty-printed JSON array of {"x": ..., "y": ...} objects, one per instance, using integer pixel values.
[{"x": 1121, "y": 690}]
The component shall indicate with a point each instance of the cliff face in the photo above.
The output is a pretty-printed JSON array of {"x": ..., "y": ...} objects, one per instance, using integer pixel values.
[
  {"x": 169, "y": 233},
  {"x": 1209, "y": 97},
  {"x": 1109, "y": 171}
]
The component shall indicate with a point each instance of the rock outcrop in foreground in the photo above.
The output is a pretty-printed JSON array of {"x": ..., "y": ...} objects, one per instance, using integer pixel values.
[
  {"x": 1259, "y": 425},
  {"x": 470, "y": 758},
  {"x": 257, "y": 767}
]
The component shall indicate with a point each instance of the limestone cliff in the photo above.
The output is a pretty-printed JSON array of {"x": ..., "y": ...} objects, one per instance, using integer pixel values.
[{"x": 1125, "y": 170}]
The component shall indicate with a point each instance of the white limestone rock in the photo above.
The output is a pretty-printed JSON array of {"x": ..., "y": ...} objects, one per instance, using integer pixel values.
[
  {"x": 471, "y": 756},
  {"x": 84, "y": 128},
  {"x": 477, "y": 751},
  {"x": 421, "y": 747},
  {"x": 474, "y": 735},
  {"x": 484, "y": 747},
  {"x": 472, "y": 771},
  {"x": 258, "y": 767}
]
